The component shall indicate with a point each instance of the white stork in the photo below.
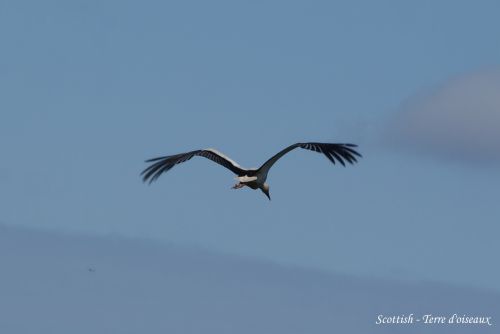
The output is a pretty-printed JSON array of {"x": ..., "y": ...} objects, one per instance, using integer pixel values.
[{"x": 253, "y": 178}]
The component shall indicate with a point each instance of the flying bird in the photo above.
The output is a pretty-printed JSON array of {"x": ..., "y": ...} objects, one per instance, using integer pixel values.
[{"x": 253, "y": 178}]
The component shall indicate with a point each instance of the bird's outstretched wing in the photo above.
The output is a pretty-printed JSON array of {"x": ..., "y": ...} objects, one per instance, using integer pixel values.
[
  {"x": 334, "y": 152},
  {"x": 162, "y": 164}
]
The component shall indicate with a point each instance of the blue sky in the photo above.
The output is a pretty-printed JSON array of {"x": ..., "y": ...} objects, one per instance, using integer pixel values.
[{"x": 90, "y": 89}]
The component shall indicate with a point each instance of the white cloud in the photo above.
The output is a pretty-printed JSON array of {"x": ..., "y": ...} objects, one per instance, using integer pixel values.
[{"x": 460, "y": 118}]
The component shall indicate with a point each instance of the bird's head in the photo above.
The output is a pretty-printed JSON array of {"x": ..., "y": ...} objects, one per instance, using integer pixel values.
[{"x": 265, "y": 190}]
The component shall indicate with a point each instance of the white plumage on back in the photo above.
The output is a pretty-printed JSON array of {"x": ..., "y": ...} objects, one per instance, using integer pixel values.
[
  {"x": 222, "y": 155},
  {"x": 246, "y": 178}
]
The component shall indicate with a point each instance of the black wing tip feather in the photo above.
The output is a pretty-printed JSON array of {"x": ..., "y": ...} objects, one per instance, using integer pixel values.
[
  {"x": 154, "y": 159},
  {"x": 349, "y": 147},
  {"x": 159, "y": 166},
  {"x": 335, "y": 152}
]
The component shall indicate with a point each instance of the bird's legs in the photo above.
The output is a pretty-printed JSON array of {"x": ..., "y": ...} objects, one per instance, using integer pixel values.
[{"x": 238, "y": 186}]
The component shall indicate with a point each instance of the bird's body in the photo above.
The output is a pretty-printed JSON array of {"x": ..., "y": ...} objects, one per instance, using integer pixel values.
[{"x": 252, "y": 178}]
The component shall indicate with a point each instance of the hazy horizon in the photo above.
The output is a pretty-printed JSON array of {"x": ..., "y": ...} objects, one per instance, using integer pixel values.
[{"x": 72, "y": 283}]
